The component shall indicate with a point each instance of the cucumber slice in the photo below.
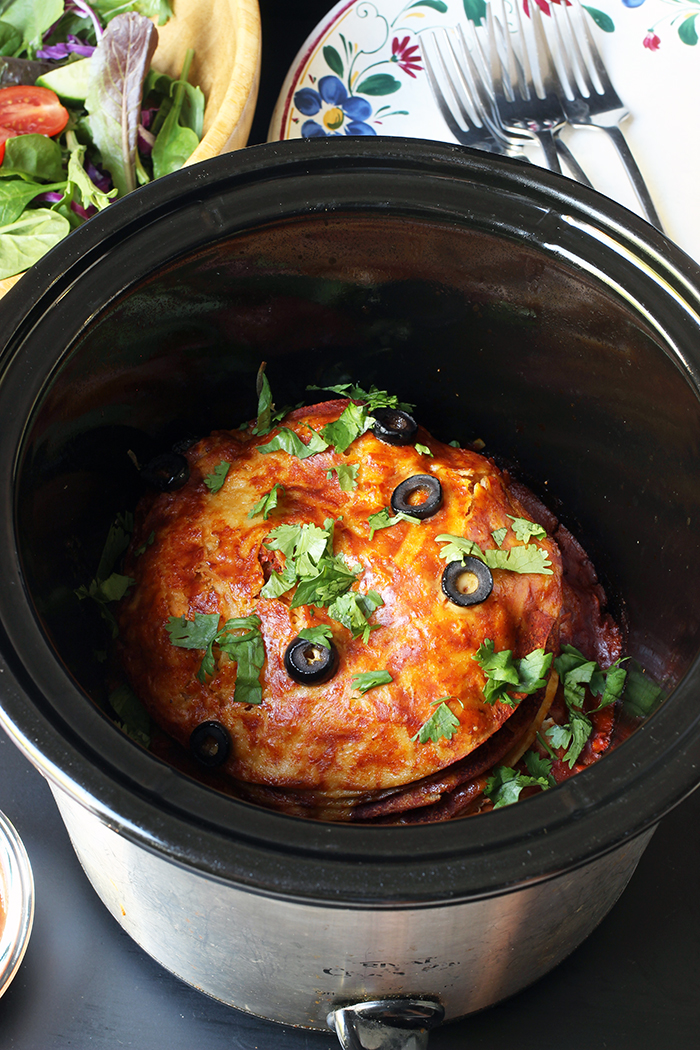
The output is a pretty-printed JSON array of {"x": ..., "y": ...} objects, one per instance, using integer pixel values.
[{"x": 70, "y": 82}]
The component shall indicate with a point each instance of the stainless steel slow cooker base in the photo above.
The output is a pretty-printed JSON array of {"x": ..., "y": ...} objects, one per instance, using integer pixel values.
[
  {"x": 509, "y": 305},
  {"x": 226, "y": 941}
]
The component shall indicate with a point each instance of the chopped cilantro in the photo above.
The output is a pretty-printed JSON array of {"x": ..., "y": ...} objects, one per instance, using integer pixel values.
[
  {"x": 505, "y": 785},
  {"x": 353, "y": 421},
  {"x": 367, "y": 680},
  {"x": 423, "y": 449},
  {"x": 537, "y": 766},
  {"x": 193, "y": 634},
  {"x": 107, "y": 585},
  {"x": 527, "y": 559},
  {"x": 267, "y": 503},
  {"x": 504, "y": 675},
  {"x": 573, "y": 735},
  {"x": 524, "y": 529},
  {"x": 263, "y": 423},
  {"x": 134, "y": 719},
  {"x": 149, "y": 542},
  {"x": 215, "y": 480},
  {"x": 384, "y": 520},
  {"x": 353, "y": 610},
  {"x": 499, "y": 535},
  {"x": 246, "y": 649},
  {"x": 642, "y": 694},
  {"x": 576, "y": 674},
  {"x": 318, "y": 636},
  {"x": 116, "y": 543},
  {"x": 321, "y": 577},
  {"x": 287, "y": 440},
  {"x": 347, "y": 476},
  {"x": 442, "y": 723},
  {"x": 373, "y": 398}
]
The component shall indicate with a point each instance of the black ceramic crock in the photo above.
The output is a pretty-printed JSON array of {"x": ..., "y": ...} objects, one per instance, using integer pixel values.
[{"x": 509, "y": 305}]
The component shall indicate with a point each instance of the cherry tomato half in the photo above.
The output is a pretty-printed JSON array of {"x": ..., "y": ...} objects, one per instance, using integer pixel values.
[
  {"x": 5, "y": 134},
  {"x": 27, "y": 109}
]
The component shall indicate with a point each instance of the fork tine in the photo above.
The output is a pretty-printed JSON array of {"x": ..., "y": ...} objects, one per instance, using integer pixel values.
[
  {"x": 477, "y": 71},
  {"x": 473, "y": 133}
]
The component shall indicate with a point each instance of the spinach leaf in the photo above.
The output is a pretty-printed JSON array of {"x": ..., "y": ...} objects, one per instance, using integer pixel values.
[
  {"x": 32, "y": 20},
  {"x": 33, "y": 157},
  {"x": 174, "y": 143},
  {"x": 118, "y": 69},
  {"x": 10, "y": 39},
  {"x": 22, "y": 243},
  {"x": 109, "y": 9},
  {"x": 15, "y": 195}
]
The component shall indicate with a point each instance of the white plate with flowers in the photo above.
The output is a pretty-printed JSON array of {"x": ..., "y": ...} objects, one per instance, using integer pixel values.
[{"x": 361, "y": 72}]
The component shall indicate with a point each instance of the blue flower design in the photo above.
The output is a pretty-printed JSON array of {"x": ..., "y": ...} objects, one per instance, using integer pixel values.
[{"x": 340, "y": 113}]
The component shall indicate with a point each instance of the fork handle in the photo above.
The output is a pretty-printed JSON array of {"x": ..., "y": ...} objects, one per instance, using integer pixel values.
[
  {"x": 546, "y": 141},
  {"x": 635, "y": 176},
  {"x": 571, "y": 163}
]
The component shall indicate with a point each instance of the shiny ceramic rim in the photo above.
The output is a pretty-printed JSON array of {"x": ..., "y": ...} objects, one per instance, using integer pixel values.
[{"x": 17, "y": 887}]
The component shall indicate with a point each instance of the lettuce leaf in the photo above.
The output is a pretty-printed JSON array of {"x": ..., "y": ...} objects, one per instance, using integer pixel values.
[{"x": 118, "y": 68}]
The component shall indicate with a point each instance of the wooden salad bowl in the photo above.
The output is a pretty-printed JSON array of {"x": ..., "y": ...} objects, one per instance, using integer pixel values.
[{"x": 226, "y": 38}]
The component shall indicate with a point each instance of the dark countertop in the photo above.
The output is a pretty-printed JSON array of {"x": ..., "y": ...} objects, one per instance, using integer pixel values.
[{"x": 85, "y": 985}]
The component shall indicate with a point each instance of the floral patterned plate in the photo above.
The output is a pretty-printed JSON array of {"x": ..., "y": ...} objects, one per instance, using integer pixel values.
[{"x": 361, "y": 72}]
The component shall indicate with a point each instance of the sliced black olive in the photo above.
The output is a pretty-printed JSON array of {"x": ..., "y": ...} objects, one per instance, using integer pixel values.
[
  {"x": 394, "y": 426},
  {"x": 467, "y": 582},
  {"x": 166, "y": 472},
  {"x": 185, "y": 442},
  {"x": 210, "y": 743},
  {"x": 310, "y": 663},
  {"x": 424, "y": 486}
]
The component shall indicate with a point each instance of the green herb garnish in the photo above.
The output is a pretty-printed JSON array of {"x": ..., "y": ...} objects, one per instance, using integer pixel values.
[
  {"x": 321, "y": 578},
  {"x": 527, "y": 559},
  {"x": 423, "y": 449},
  {"x": 577, "y": 674},
  {"x": 366, "y": 680},
  {"x": 499, "y": 535},
  {"x": 149, "y": 542},
  {"x": 504, "y": 675},
  {"x": 442, "y": 723},
  {"x": 107, "y": 585},
  {"x": 263, "y": 424},
  {"x": 134, "y": 719},
  {"x": 505, "y": 785},
  {"x": 321, "y": 635},
  {"x": 373, "y": 398},
  {"x": 347, "y": 476},
  {"x": 267, "y": 503},
  {"x": 287, "y": 440},
  {"x": 246, "y": 649},
  {"x": 215, "y": 480},
  {"x": 384, "y": 520},
  {"x": 524, "y": 529},
  {"x": 352, "y": 422}
]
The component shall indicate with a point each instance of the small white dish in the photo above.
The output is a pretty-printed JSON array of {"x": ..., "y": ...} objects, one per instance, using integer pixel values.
[
  {"x": 370, "y": 53},
  {"x": 16, "y": 902}
]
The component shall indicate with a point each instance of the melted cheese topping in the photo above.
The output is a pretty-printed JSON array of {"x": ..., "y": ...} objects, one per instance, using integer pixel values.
[{"x": 209, "y": 556}]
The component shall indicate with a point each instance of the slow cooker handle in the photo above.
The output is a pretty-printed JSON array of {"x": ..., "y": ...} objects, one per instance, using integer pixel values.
[{"x": 386, "y": 1024}]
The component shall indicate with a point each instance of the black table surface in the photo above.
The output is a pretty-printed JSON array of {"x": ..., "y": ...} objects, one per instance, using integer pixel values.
[{"x": 85, "y": 985}]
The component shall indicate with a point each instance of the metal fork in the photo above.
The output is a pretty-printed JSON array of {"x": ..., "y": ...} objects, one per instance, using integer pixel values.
[
  {"x": 474, "y": 59},
  {"x": 589, "y": 98},
  {"x": 518, "y": 101},
  {"x": 457, "y": 89},
  {"x": 456, "y": 101}
]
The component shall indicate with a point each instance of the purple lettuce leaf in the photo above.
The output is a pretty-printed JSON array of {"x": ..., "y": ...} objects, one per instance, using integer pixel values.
[{"x": 118, "y": 68}]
